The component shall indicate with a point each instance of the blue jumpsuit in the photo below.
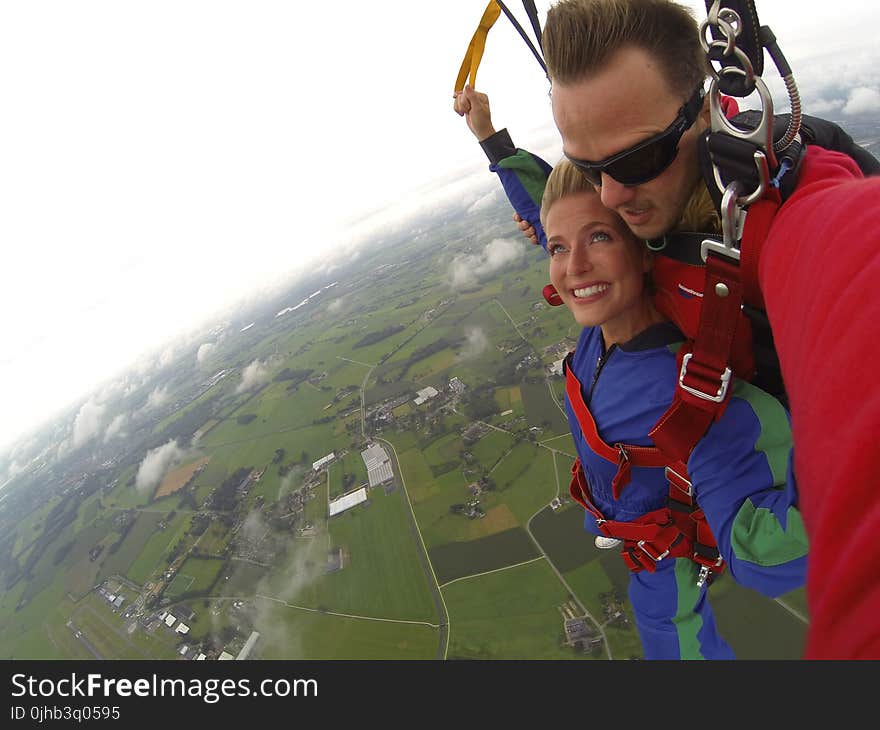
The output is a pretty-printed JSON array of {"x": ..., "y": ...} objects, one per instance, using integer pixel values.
[
  {"x": 740, "y": 474},
  {"x": 741, "y": 469}
]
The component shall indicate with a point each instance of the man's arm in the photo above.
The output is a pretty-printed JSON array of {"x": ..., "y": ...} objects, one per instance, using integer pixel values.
[{"x": 818, "y": 273}]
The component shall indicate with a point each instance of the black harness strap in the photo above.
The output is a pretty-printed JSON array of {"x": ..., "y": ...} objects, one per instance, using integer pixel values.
[
  {"x": 747, "y": 41},
  {"x": 521, "y": 30},
  {"x": 532, "y": 12}
]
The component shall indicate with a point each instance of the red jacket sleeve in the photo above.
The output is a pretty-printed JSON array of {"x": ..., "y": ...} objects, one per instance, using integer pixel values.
[{"x": 820, "y": 276}]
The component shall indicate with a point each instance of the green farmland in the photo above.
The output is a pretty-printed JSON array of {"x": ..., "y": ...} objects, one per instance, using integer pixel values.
[{"x": 458, "y": 556}]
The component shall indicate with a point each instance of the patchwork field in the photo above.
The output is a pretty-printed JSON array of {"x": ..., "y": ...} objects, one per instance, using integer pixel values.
[
  {"x": 465, "y": 530},
  {"x": 177, "y": 478},
  {"x": 509, "y": 614}
]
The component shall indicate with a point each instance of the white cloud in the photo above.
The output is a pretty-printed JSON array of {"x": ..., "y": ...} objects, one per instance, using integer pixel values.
[
  {"x": 467, "y": 269},
  {"x": 87, "y": 422},
  {"x": 166, "y": 357},
  {"x": 484, "y": 202},
  {"x": 254, "y": 374},
  {"x": 158, "y": 397},
  {"x": 476, "y": 344},
  {"x": 156, "y": 465},
  {"x": 826, "y": 106},
  {"x": 862, "y": 100},
  {"x": 335, "y": 306},
  {"x": 204, "y": 351},
  {"x": 115, "y": 427}
]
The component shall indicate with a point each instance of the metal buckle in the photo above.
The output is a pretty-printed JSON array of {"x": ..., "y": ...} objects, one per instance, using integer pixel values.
[
  {"x": 641, "y": 544},
  {"x": 705, "y": 570},
  {"x": 722, "y": 390},
  {"x": 732, "y": 222},
  {"x": 690, "y": 487}
]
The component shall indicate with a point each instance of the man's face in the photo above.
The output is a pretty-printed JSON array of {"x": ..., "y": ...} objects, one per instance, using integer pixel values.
[{"x": 625, "y": 103}]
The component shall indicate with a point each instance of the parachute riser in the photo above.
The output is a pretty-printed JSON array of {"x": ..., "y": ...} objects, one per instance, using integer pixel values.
[{"x": 737, "y": 76}]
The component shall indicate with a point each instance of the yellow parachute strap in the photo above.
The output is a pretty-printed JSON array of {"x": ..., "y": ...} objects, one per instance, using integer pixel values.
[{"x": 474, "y": 53}]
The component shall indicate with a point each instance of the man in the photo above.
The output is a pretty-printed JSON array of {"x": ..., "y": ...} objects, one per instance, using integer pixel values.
[{"x": 625, "y": 77}]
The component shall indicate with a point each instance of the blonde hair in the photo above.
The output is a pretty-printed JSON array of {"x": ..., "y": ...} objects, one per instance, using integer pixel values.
[
  {"x": 699, "y": 212},
  {"x": 581, "y": 36},
  {"x": 565, "y": 179}
]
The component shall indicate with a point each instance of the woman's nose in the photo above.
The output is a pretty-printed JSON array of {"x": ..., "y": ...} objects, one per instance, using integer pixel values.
[{"x": 579, "y": 259}]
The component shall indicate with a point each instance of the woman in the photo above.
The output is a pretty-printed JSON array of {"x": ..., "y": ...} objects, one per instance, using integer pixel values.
[{"x": 622, "y": 378}]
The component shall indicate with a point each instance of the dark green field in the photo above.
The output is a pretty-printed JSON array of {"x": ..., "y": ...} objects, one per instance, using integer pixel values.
[{"x": 457, "y": 559}]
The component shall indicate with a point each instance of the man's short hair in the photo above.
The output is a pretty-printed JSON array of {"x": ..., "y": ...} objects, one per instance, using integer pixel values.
[{"x": 580, "y": 37}]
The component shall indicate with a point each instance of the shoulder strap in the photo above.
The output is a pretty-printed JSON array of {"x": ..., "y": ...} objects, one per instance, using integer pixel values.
[{"x": 625, "y": 456}]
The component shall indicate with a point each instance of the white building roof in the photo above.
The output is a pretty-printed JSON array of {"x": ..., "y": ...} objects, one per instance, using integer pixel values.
[
  {"x": 248, "y": 645},
  {"x": 169, "y": 620},
  {"x": 323, "y": 460},
  {"x": 348, "y": 501},
  {"x": 225, "y": 656},
  {"x": 425, "y": 394},
  {"x": 374, "y": 456},
  {"x": 182, "y": 628},
  {"x": 380, "y": 474},
  {"x": 556, "y": 367}
]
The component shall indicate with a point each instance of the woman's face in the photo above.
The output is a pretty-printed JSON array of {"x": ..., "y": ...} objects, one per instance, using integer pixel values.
[{"x": 598, "y": 268}]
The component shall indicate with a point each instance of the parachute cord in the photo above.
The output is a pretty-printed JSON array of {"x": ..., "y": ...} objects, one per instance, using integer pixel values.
[
  {"x": 768, "y": 40},
  {"x": 523, "y": 34}
]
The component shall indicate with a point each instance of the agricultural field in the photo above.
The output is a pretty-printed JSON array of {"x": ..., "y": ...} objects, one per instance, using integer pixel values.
[
  {"x": 195, "y": 576},
  {"x": 508, "y": 614},
  {"x": 177, "y": 478},
  {"x": 464, "y": 531}
]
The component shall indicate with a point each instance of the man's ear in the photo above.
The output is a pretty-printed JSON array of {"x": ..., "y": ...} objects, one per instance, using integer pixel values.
[{"x": 704, "y": 117}]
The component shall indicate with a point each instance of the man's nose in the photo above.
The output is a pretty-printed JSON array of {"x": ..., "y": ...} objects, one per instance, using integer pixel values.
[{"x": 614, "y": 194}]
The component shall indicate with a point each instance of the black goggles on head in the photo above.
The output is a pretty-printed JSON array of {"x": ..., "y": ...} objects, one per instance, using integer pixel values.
[{"x": 646, "y": 160}]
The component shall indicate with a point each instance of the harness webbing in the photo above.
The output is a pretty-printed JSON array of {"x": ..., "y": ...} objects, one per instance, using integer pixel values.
[
  {"x": 474, "y": 53},
  {"x": 705, "y": 375},
  {"x": 678, "y": 530},
  {"x": 533, "y": 18},
  {"x": 624, "y": 455},
  {"x": 532, "y": 12}
]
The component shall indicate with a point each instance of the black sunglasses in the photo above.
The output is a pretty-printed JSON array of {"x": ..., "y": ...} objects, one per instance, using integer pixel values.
[{"x": 646, "y": 160}]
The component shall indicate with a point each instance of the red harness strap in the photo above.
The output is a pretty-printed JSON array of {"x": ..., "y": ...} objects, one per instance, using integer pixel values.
[
  {"x": 705, "y": 374},
  {"x": 625, "y": 456},
  {"x": 678, "y": 530}
]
